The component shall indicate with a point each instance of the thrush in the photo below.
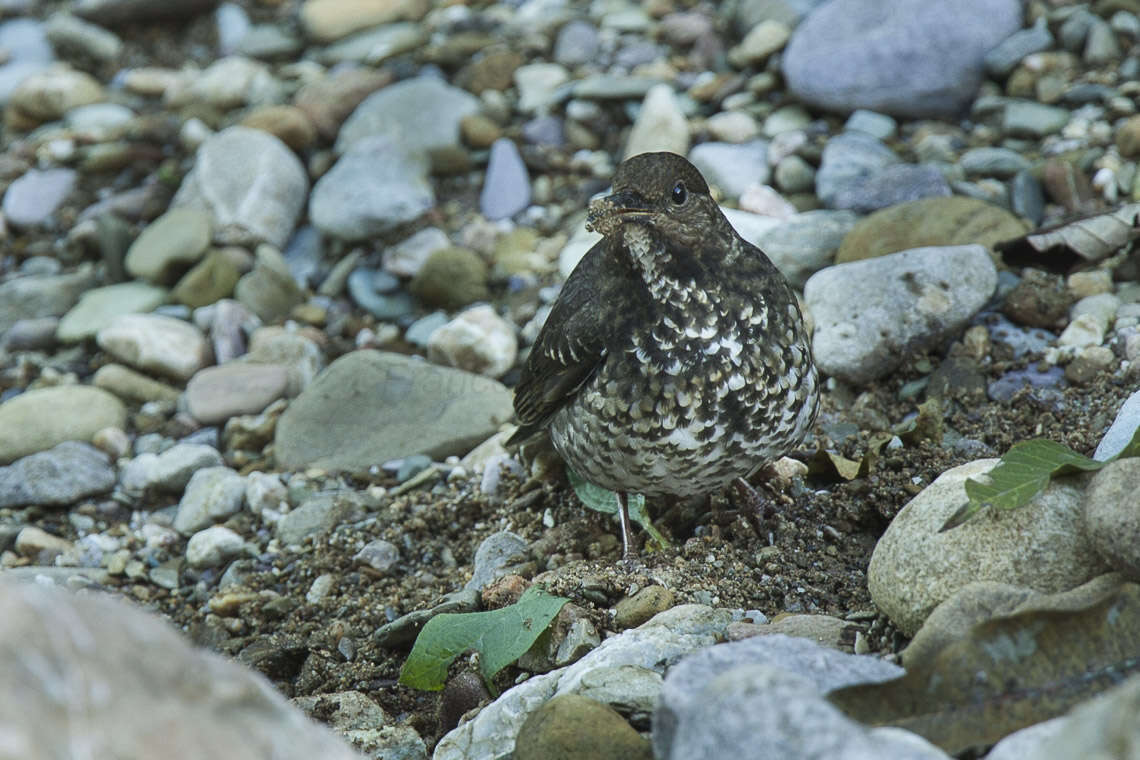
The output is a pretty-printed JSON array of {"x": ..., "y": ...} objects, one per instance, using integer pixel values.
[{"x": 675, "y": 358}]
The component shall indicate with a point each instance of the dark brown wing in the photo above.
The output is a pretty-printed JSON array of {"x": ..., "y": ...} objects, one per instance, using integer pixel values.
[{"x": 571, "y": 345}]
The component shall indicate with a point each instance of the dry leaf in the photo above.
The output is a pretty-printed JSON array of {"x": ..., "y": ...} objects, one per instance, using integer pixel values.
[{"x": 1090, "y": 238}]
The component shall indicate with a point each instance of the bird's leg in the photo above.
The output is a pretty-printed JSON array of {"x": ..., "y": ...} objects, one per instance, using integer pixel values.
[
  {"x": 628, "y": 548},
  {"x": 751, "y": 503}
]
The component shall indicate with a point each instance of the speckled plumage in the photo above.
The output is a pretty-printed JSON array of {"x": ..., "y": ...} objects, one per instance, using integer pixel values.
[{"x": 675, "y": 358}]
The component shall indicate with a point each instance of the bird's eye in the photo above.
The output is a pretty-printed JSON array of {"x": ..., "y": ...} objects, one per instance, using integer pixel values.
[{"x": 680, "y": 194}]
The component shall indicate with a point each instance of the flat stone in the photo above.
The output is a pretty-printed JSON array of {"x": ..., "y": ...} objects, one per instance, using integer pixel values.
[
  {"x": 213, "y": 546},
  {"x": 506, "y": 186},
  {"x": 100, "y": 307},
  {"x": 169, "y": 245},
  {"x": 660, "y": 124},
  {"x": 58, "y": 477},
  {"x": 329, "y": 20},
  {"x": 477, "y": 340},
  {"x": 253, "y": 186},
  {"x": 128, "y": 384},
  {"x": 47, "y": 295},
  {"x": 48, "y": 94},
  {"x": 870, "y": 314},
  {"x": 156, "y": 342},
  {"x": 369, "y": 407},
  {"x": 733, "y": 168},
  {"x": 170, "y": 471},
  {"x": 215, "y": 394},
  {"x": 41, "y": 419}
]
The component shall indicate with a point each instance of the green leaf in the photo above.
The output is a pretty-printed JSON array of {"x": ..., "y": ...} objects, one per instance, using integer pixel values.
[
  {"x": 601, "y": 500},
  {"x": 1021, "y": 474},
  {"x": 499, "y": 636}
]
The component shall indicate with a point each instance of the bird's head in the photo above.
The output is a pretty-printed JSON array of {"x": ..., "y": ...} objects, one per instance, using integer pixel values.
[{"x": 662, "y": 191}]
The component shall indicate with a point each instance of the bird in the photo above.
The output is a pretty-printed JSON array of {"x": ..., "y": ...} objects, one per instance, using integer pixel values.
[{"x": 675, "y": 359}]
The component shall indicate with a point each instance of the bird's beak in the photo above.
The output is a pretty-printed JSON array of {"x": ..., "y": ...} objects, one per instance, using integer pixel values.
[{"x": 623, "y": 206}]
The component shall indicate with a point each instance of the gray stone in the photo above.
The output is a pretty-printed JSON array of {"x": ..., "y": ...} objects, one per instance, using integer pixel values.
[
  {"x": 378, "y": 555},
  {"x": 860, "y": 173},
  {"x": 1111, "y": 519},
  {"x": 375, "y": 45},
  {"x": 213, "y": 546},
  {"x": 818, "y": 669},
  {"x": 805, "y": 243},
  {"x": 31, "y": 200},
  {"x": 41, "y": 419},
  {"x": 477, "y": 340},
  {"x": 869, "y": 314},
  {"x": 900, "y": 57},
  {"x": 419, "y": 115},
  {"x": 251, "y": 183},
  {"x": 35, "y": 296},
  {"x": 169, "y": 245},
  {"x": 577, "y": 43},
  {"x": 157, "y": 343},
  {"x": 1103, "y": 727},
  {"x": 877, "y": 125},
  {"x": 25, "y": 41},
  {"x": 376, "y": 185},
  {"x": 301, "y": 357},
  {"x": 660, "y": 124},
  {"x": 669, "y": 635},
  {"x": 215, "y": 394},
  {"x": 538, "y": 85},
  {"x": 100, "y": 307},
  {"x": 506, "y": 186},
  {"x": 212, "y": 495},
  {"x": 365, "y": 725},
  {"x": 170, "y": 471},
  {"x": 1028, "y": 742},
  {"x": 1004, "y": 58},
  {"x": 368, "y": 407},
  {"x": 319, "y": 515},
  {"x": 498, "y": 554},
  {"x": 993, "y": 162},
  {"x": 74, "y": 36},
  {"x": 407, "y": 257},
  {"x": 1024, "y": 118},
  {"x": 58, "y": 477},
  {"x": 205, "y": 704},
  {"x": 1041, "y": 546},
  {"x": 1121, "y": 431},
  {"x": 387, "y": 306},
  {"x": 269, "y": 291},
  {"x": 732, "y": 167}
]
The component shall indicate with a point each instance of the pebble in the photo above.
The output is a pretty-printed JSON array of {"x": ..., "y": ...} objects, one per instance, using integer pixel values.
[
  {"x": 908, "y": 58},
  {"x": 38, "y": 420},
  {"x": 58, "y": 477},
  {"x": 41, "y": 546},
  {"x": 803, "y": 244},
  {"x": 762, "y": 41},
  {"x": 634, "y": 610},
  {"x": 269, "y": 291},
  {"x": 330, "y": 99},
  {"x": 506, "y": 187},
  {"x": 215, "y": 394},
  {"x": 375, "y": 45},
  {"x": 156, "y": 343},
  {"x": 375, "y": 186},
  {"x": 47, "y": 94},
  {"x": 213, "y": 547},
  {"x": 384, "y": 303},
  {"x": 1110, "y": 518},
  {"x": 915, "y": 567},
  {"x": 34, "y": 296},
  {"x": 877, "y": 125},
  {"x": 252, "y": 185},
  {"x": 477, "y": 340},
  {"x": 1024, "y": 118},
  {"x": 420, "y": 115},
  {"x": 868, "y": 314},
  {"x": 28, "y": 52},
  {"x": 733, "y": 168},
  {"x": 498, "y": 555},
  {"x": 732, "y": 126},
  {"x": 169, "y": 245},
  {"x": 212, "y": 494},
  {"x": 378, "y": 555},
  {"x": 329, "y": 20},
  {"x": 451, "y": 278},
  {"x": 571, "y": 725},
  {"x": 1002, "y": 60},
  {"x": 33, "y": 199},
  {"x": 318, "y": 515},
  {"x": 660, "y": 124},
  {"x": 577, "y": 43},
  {"x": 301, "y": 357},
  {"x": 537, "y": 84},
  {"x": 168, "y": 472},
  {"x": 128, "y": 384},
  {"x": 406, "y": 258},
  {"x": 403, "y": 406}
]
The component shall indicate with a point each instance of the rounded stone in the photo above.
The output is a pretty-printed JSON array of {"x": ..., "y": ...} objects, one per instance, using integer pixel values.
[
  {"x": 156, "y": 342},
  {"x": 570, "y": 725},
  {"x": 451, "y": 278},
  {"x": 169, "y": 245},
  {"x": 1111, "y": 518},
  {"x": 215, "y": 394},
  {"x": 100, "y": 307},
  {"x": 1042, "y": 546},
  {"x": 213, "y": 546},
  {"x": 477, "y": 340},
  {"x": 40, "y": 419}
]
